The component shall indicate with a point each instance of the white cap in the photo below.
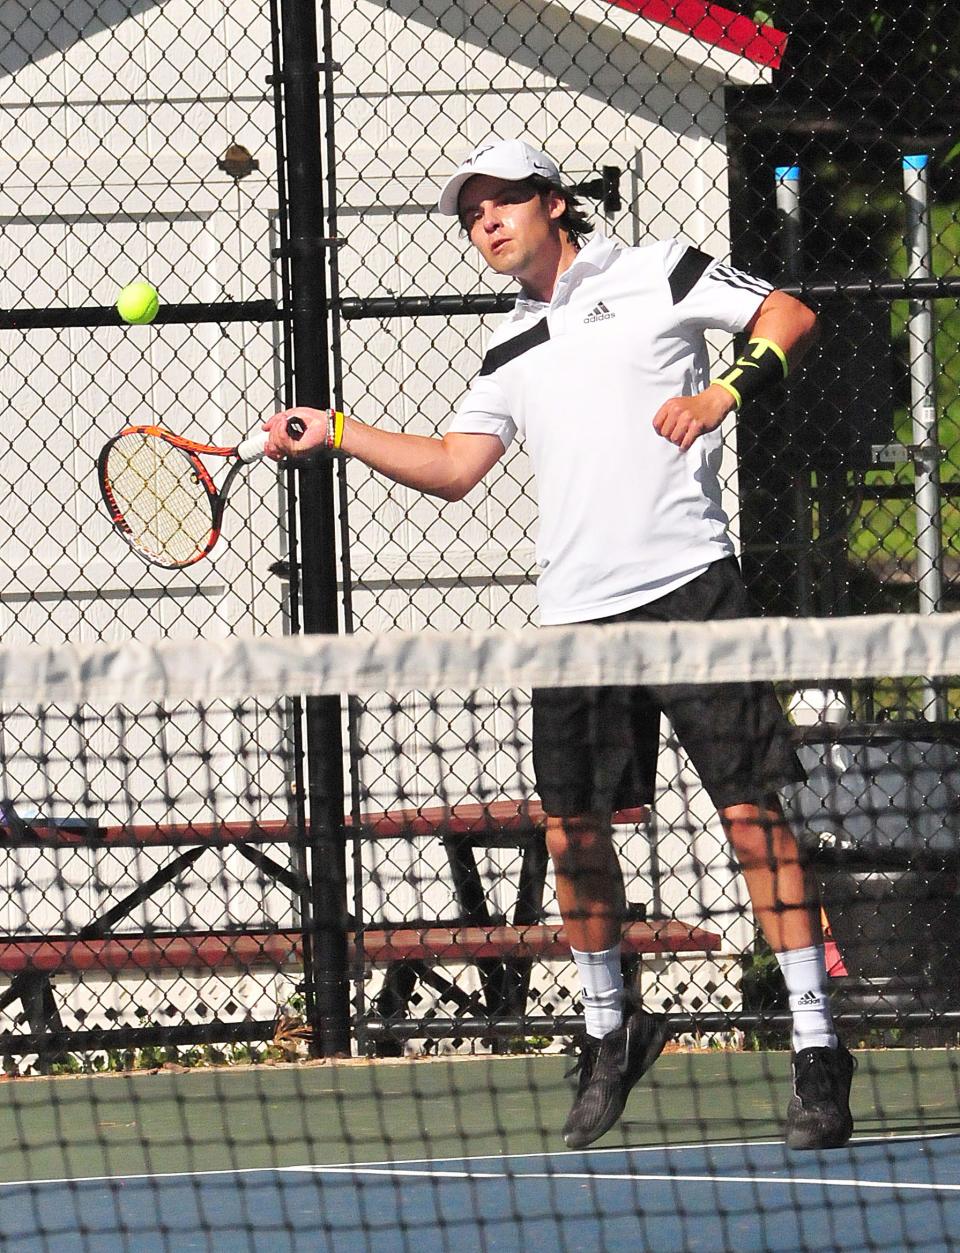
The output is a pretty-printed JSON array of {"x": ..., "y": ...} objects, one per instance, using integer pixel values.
[{"x": 503, "y": 158}]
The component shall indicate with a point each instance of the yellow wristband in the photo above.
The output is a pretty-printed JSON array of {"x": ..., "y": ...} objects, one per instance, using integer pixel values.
[{"x": 338, "y": 421}]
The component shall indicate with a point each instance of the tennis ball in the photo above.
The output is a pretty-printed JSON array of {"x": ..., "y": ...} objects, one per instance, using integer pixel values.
[{"x": 138, "y": 303}]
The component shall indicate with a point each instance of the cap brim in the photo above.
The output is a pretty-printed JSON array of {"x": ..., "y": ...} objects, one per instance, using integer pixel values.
[
  {"x": 497, "y": 165},
  {"x": 449, "y": 201}
]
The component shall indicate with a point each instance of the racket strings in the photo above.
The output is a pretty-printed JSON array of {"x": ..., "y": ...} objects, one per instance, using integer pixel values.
[{"x": 162, "y": 498}]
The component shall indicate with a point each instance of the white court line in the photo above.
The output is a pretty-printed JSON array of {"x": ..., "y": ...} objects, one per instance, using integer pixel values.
[
  {"x": 392, "y": 1167},
  {"x": 700, "y": 1146},
  {"x": 719, "y": 1180}
]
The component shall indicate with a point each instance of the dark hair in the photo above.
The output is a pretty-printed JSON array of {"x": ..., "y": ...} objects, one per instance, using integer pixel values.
[{"x": 574, "y": 221}]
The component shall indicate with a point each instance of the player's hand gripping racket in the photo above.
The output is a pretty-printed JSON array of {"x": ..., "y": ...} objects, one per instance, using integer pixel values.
[{"x": 160, "y": 495}]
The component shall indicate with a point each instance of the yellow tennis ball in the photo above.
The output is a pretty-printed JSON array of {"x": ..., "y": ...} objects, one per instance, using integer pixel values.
[{"x": 138, "y": 303}]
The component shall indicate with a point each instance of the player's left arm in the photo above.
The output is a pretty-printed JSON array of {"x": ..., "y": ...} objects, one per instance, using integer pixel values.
[
  {"x": 786, "y": 322},
  {"x": 781, "y": 332}
]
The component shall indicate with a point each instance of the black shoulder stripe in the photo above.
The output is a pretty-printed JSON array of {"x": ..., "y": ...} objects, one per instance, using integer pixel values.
[
  {"x": 515, "y": 347},
  {"x": 686, "y": 273}
]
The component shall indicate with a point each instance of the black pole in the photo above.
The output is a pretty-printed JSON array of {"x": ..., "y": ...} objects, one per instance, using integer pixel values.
[{"x": 328, "y": 1001}]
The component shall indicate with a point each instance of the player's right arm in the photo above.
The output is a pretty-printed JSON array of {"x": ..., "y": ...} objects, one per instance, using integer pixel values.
[{"x": 447, "y": 467}]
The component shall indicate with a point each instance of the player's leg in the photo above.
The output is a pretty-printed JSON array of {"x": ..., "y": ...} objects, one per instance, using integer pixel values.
[
  {"x": 782, "y": 892},
  {"x": 586, "y": 761},
  {"x": 739, "y": 741},
  {"x": 591, "y": 899},
  {"x": 787, "y": 908},
  {"x": 621, "y": 1041},
  {"x": 589, "y": 879}
]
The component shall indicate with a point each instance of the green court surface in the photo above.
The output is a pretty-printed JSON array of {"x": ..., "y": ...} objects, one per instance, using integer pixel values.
[{"x": 247, "y": 1118}]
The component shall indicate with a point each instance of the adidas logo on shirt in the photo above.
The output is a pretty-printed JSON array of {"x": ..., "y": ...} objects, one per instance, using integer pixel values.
[{"x": 600, "y": 313}]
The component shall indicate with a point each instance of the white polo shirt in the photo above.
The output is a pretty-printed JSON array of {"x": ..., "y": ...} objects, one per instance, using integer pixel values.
[{"x": 625, "y": 517}]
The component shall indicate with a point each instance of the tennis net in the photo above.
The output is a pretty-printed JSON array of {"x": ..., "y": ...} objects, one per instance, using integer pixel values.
[{"x": 283, "y": 963}]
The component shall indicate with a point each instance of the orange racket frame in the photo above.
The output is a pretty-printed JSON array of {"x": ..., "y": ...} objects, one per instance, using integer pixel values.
[{"x": 165, "y": 538}]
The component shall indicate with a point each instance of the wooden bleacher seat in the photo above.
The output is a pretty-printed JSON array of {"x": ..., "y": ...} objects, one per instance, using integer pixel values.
[{"x": 502, "y": 949}]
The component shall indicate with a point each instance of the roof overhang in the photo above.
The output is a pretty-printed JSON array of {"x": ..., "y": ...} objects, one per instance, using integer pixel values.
[
  {"x": 714, "y": 26},
  {"x": 702, "y": 36}
]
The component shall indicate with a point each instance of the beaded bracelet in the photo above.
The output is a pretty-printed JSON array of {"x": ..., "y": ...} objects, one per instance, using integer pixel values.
[{"x": 334, "y": 436}]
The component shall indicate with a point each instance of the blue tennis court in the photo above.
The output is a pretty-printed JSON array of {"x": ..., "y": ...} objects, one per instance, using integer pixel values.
[{"x": 889, "y": 1193}]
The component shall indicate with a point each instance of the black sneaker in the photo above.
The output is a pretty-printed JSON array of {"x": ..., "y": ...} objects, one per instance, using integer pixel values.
[
  {"x": 818, "y": 1116},
  {"x": 607, "y": 1070}
]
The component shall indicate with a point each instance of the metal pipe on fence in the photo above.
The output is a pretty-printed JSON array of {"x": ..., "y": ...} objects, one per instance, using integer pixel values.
[
  {"x": 450, "y": 304},
  {"x": 788, "y": 212},
  {"x": 788, "y": 215},
  {"x": 923, "y": 406},
  {"x": 695, "y": 1024}
]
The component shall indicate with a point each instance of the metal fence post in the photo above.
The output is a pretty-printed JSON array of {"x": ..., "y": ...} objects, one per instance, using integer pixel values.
[
  {"x": 923, "y": 407},
  {"x": 328, "y": 997}
]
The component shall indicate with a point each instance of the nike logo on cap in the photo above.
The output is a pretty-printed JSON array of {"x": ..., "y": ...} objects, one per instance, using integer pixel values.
[{"x": 475, "y": 156}]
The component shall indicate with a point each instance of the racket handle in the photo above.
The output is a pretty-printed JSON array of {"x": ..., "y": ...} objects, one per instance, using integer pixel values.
[{"x": 252, "y": 449}]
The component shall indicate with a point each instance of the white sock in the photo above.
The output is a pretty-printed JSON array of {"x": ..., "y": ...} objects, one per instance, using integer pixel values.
[
  {"x": 805, "y": 974},
  {"x": 601, "y": 980}
]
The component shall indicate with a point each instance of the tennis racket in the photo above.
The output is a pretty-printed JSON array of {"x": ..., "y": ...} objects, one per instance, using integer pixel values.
[{"x": 162, "y": 498}]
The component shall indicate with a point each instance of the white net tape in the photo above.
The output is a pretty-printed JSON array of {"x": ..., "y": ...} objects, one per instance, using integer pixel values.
[{"x": 266, "y": 668}]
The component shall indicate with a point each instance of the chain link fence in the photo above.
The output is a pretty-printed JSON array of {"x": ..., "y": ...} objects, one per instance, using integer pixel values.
[
  {"x": 148, "y": 139},
  {"x": 139, "y": 141}
]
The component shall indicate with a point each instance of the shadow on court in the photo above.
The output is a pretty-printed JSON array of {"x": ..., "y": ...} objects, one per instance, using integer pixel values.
[{"x": 465, "y": 1154}]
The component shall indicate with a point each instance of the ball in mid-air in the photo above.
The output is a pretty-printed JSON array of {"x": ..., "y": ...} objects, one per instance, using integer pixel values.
[{"x": 138, "y": 303}]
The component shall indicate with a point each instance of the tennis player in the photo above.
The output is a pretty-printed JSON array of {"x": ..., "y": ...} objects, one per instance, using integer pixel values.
[{"x": 602, "y": 369}]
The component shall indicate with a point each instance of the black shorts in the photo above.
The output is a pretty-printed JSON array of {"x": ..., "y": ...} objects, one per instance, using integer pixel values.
[{"x": 595, "y": 748}]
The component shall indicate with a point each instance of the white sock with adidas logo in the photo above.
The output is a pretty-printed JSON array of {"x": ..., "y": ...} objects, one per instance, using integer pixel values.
[{"x": 805, "y": 974}]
